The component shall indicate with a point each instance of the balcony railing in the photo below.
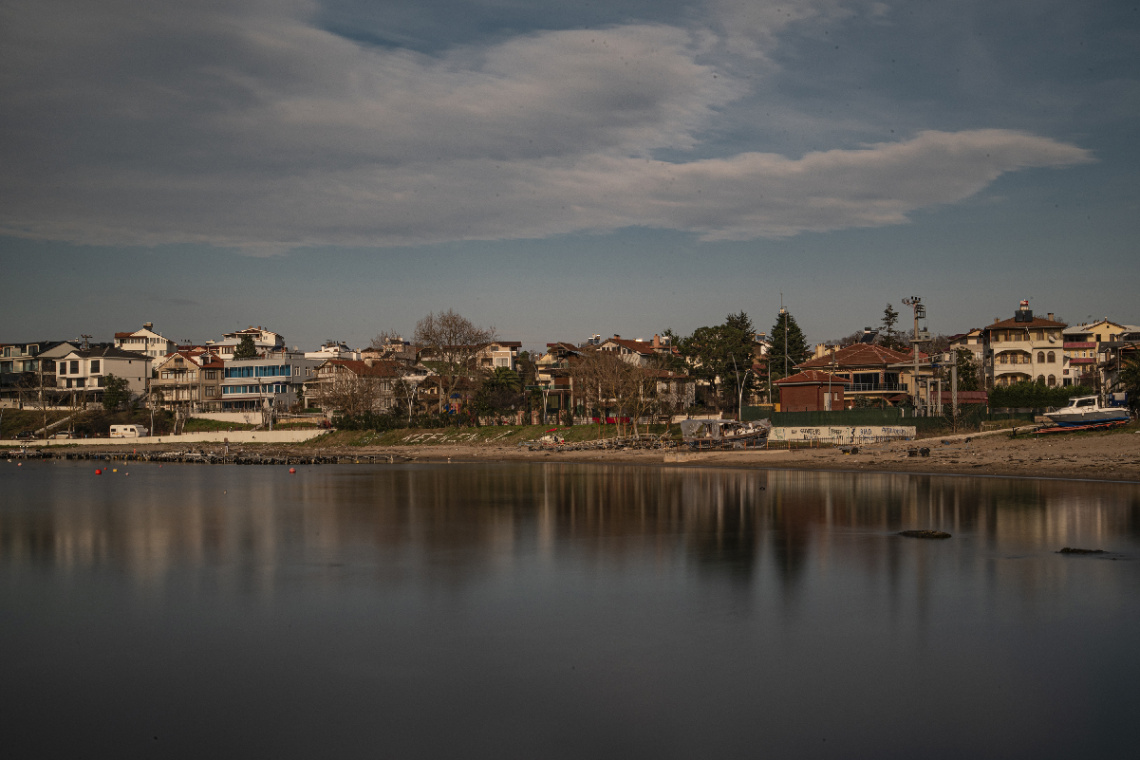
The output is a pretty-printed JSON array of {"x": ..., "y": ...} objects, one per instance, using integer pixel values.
[{"x": 874, "y": 387}]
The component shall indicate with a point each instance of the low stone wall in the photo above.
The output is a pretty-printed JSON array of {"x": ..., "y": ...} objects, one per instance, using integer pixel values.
[{"x": 218, "y": 436}]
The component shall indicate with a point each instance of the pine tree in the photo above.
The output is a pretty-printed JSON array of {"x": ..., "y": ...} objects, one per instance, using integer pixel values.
[
  {"x": 245, "y": 348},
  {"x": 890, "y": 336},
  {"x": 787, "y": 339}
]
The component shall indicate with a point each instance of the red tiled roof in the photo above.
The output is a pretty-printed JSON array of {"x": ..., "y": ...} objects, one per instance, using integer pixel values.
[
  {"x": 637, "y": 346},
  {"x": 1013, "y": 324},
  {"x": 859, "y": 355},
  {"x": 362, "y": 369},
  {"x": 813, "y": 377}
]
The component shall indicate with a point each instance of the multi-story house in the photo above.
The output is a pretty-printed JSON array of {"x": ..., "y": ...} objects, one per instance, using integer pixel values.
[
  {"x": 1024, "y": 349},
  {"x": 190, "y": 380},
  {"x": 86, "y": 370},
  {"x": 26, "y": 366},
  {"x": 145, "y": 341},
  {"x": 498, "y": 353},
  {"x": 265, "y": 341},
  {"x": 273, "y": 382},
  {"x": 1085, "y": 349}
]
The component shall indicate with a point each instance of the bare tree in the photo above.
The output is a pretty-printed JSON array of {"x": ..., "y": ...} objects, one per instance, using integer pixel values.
[
  {"x": 604, "y": 381},
  {"x": 344, "y": 390},
  {"x": 450, "y": 342}
]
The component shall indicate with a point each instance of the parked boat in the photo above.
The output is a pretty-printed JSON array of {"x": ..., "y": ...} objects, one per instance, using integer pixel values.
[{"x": 1087, "y": 410}]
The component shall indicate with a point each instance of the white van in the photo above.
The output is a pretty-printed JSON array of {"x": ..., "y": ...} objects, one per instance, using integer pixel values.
[{"x": 128, "y": 431}]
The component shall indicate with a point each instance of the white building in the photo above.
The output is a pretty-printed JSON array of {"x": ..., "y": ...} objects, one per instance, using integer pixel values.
[
  {"x": 265, "y": 341},
  {"x": 145, "y": 341},
  {"x": 332, "y": 349},
  {"x": 87, "y": 370}
]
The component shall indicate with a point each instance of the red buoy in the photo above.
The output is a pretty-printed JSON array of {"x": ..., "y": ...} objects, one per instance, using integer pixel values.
[
  {"x": 98, "y": 471},
  {"x": 292, "y": 470}
]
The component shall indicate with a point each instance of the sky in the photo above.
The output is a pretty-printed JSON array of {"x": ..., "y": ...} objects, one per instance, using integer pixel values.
[{"x": 331, "y": 169}]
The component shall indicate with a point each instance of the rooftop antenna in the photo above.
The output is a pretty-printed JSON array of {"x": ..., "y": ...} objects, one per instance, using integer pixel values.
[{"x": 86, "y": 342}]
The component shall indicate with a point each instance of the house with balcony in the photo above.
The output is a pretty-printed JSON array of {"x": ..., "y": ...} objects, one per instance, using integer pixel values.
[
  {"x": 1024, "y": 348},
  {"x": 273, "y": 382},
  {"x": 145, "y": 341},
  {"x": 498, "y": 353},
  {"x": 552, "y": 375},
  {"x": 1085, "y": 348},
  {"x": 189, "y": 380},
  {"x": 876, "y": 374}
]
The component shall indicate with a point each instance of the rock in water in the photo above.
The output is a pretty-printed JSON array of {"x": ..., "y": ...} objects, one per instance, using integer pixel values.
[{"x": 924, "y": 534}]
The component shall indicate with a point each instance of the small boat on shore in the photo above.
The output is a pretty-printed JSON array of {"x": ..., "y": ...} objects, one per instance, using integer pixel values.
[{"x": 1087, "y": 410}]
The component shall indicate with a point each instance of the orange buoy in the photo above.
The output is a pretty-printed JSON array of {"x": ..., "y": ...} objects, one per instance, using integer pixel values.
[{"x": 292, "y": 470}]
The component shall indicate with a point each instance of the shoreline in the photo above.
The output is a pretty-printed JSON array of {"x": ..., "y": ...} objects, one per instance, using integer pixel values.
[{"x": 1113, "y": 457}]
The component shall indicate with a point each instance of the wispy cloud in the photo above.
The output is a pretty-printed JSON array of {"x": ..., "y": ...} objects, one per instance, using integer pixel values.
[{"x": 249, "y": 126}]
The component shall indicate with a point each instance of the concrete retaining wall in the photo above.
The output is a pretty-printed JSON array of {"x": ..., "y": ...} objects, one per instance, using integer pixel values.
[{"x": 220, "y": 436}]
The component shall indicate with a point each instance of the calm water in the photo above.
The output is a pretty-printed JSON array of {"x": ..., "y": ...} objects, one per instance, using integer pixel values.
[{"x": 549, "y": 611}]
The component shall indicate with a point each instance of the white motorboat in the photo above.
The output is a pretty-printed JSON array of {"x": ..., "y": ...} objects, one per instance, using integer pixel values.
[{"x": 1087, "y": 410}]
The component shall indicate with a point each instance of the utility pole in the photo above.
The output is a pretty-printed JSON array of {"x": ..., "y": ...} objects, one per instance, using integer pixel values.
[{"x": 915, "y": 302}]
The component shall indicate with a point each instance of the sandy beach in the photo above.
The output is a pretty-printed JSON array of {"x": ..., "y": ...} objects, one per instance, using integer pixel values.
[{"x": 1097, "y": 456}]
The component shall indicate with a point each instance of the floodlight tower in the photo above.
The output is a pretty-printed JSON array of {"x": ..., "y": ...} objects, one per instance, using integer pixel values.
[{"x": 915, "y": 302}]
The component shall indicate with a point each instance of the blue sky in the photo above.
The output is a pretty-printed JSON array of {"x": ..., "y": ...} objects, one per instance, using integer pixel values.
[{"x": 557, "y": 169}]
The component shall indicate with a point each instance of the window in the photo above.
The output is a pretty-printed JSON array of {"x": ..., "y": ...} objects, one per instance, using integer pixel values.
[
  {"x": 1052, "y": 380},
  {"x": 1052, "y": 356},
  {"x": 74, "y": 367},
  {"x": 210, "y": 390},
  {"x": 1040, "y": 357},
  {"x": 94, "y": 366},
  {"x": 62, "y": 368}
]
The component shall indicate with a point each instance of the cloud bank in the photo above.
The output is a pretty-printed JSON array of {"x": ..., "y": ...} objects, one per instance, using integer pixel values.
[{"x": 249, "y": 126}]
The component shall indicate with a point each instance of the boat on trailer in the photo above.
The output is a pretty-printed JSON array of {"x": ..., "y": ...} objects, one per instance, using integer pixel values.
[{"x": 1086, "y": 411}]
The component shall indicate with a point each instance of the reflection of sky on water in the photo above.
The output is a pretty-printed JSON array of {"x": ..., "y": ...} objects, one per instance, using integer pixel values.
[{"x": 673, "y": 612}]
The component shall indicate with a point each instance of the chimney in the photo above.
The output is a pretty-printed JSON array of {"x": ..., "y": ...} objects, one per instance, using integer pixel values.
[
  {"x": 369, "y": 362},
  {"x": 148, "y": 325},
  {"x": 1049, "y": 316}
]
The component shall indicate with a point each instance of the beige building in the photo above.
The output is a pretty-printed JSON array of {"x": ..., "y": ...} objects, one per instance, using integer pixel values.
[
  {"x": 1025, "y": 349},
  {"x": 190, "y": 380}
]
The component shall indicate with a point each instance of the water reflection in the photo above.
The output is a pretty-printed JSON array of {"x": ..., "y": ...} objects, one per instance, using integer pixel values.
[
  {"x": 456, "y": 522},
  {"x": 562, "y": 611}
]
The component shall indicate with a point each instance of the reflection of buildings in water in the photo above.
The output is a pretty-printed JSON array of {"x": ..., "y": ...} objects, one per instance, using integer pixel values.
[{"x": 455, "y": 523}]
